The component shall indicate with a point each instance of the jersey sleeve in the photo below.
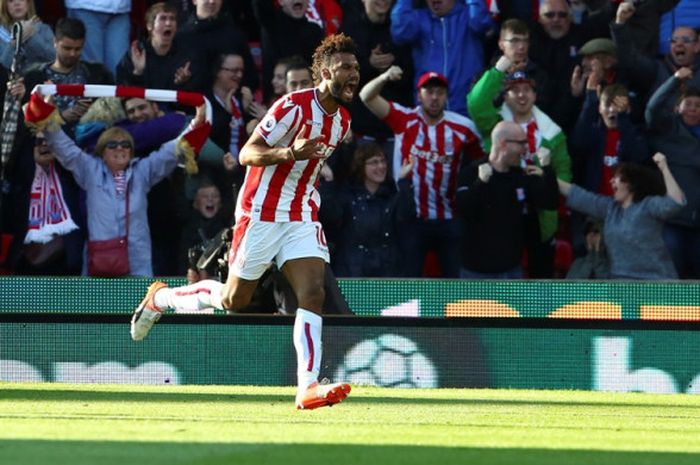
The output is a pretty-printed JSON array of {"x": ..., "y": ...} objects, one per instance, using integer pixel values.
[
  {"x": 397, "y": 117},
  {"x": 280, "y": 120}
]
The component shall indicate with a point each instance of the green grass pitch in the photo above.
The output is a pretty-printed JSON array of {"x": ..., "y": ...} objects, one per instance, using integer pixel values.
[{"x": 208, "y": 425}]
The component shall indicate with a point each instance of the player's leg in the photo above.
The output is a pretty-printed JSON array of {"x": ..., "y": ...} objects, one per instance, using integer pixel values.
[
  {"x": 203, "y": 295},
  {"x": 254, "y": 245},
  {"x": 302, "y": 259}
]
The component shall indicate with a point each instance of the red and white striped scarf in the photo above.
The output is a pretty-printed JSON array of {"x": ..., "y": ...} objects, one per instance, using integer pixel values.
[
  {"x": 48, "y": 214},
  {"x": 39, "y": 115}
]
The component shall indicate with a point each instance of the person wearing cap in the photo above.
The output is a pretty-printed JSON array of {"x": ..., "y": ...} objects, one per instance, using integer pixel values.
[
  {"x": 446, "y": 37},
  {"x": 647, "y": 73},
  {"x": 514, "y": 43},
  {"x": 602, "y": 53},
  {"x": 494, "y": 198},
  {"x": 439, "y": 140},
  {"x": 601, "y": 50},
  {"x": 498, "y": 96}
]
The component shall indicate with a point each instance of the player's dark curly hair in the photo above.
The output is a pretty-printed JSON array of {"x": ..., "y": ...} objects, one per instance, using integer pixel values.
[{"x": 336, "y": 43}]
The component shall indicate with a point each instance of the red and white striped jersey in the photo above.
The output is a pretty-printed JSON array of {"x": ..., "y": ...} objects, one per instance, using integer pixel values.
[
  {"x": 438, "y": 152},
  {"x": 287, "y": 191}
]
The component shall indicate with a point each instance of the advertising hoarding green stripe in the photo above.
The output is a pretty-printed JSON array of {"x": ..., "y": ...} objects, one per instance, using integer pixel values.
[{"x": 428, "y": 298}]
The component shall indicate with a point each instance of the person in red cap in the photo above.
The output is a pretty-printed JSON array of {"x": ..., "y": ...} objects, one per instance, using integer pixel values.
[{"x": 438, "y": 140}]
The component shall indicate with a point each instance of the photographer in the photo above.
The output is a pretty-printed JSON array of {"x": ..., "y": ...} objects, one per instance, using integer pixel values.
[{"x": 209, "y": 260}]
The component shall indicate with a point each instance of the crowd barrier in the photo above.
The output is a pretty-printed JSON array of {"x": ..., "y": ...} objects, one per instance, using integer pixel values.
[{"x": 613, "y": 336}]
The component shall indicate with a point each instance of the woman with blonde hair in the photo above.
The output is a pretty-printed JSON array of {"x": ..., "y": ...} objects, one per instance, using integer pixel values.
[
  {"x": 37, "y": 37},
  {"x": 116, "y": 186}
]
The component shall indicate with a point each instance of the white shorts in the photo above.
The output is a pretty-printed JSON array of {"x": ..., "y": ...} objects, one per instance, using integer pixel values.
[{"x": 257, "y": 243}]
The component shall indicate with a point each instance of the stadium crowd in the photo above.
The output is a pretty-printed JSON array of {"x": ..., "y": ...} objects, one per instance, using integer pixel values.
[{"x": 467, "y": 114}]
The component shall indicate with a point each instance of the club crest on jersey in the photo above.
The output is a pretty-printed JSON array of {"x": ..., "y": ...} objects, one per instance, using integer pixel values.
[
  {"x": 268, "y": 122},
  {"x": 287, "y": 103}
]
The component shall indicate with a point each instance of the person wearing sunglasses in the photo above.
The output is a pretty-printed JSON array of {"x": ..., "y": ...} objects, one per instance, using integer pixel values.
[
  {"x": 116, "y": 185},
  {"x": 494, "y": 197},
  {"x": 498, "y": 96},
  {"x": 649, "y": 72}
]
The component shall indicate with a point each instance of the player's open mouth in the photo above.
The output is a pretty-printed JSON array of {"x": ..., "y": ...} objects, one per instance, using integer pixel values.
[
  {"x": 167, "y": 33},
  {"x": 298, "y": 7},
  {"x": 349, "y": 90}
]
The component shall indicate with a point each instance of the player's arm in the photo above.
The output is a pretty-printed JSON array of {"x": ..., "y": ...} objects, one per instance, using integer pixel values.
[
  {"x": 369, "y": 94},
  {"x": 257, "y": 152}
]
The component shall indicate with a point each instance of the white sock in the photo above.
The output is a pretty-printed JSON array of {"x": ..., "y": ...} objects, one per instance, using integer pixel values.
[
  {"x": 200, "y": 296},
  {"x": 307, "y": 342}
]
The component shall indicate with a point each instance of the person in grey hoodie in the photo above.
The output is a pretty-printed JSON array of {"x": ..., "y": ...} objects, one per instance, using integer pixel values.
[{"x": 677, "y": 134}]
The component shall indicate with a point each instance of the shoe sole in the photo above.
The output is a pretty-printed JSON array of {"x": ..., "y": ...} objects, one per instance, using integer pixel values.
[
  {"x": 152, "y": 289},
  {"x": 332, "y": 397}
]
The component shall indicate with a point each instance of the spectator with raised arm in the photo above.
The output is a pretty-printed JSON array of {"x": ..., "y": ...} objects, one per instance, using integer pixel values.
[
  {"x": 517, "y": 93},
  {"x": 677, "y": 133},
  {"x": 115, "y": 183},
  {"x": 514, "y": 44},
  {"x": 440, "y": 140},
  {"x": 633, "y": 218},
  {"x": 648, "y": 72}
]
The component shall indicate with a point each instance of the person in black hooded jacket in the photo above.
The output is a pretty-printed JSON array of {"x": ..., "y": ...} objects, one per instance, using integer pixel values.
[{"x": 207, "y": 34}]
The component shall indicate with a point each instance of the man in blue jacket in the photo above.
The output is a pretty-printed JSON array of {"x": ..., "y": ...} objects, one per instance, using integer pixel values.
[{"x": 447, "y": 38}]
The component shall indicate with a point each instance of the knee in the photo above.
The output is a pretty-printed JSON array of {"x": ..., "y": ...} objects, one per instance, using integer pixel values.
[{"x": 311, "y": 298}]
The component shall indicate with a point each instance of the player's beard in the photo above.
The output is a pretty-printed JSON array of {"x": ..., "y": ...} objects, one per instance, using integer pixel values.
[{"x": 336, "y": 89}]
